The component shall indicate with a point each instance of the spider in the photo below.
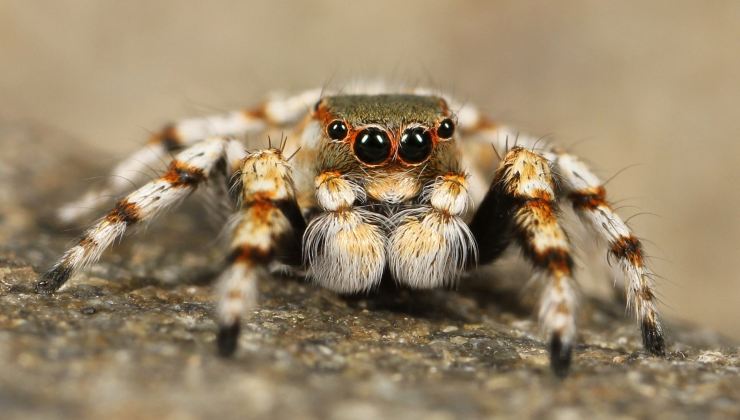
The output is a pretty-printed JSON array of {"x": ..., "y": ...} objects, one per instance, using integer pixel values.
[{"x": 403, "y": 183}]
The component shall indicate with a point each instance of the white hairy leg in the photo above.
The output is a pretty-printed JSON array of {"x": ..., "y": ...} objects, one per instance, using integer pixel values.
[
  {"x": 588, "y": 196},
  {"x": 522, "y": 203},
  {"x": 268, "y": 228},
  {"x": 189, "y": 169},
  {"x": 275, "y": 112}
]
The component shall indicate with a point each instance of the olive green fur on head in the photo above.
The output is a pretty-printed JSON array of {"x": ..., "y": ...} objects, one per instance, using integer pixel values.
[{"x": 390, "y": 110}]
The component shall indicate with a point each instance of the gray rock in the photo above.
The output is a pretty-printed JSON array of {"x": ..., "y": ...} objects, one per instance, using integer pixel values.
[{"x": 134, "y": 338}]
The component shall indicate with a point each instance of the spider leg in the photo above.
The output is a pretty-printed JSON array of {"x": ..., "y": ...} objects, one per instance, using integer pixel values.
[
  {"x": 588, "y": 197},
  {"x": 186, "y": 172},
  {"x": 276, "y": 112},
  {"x": 473, "y": 124},
  {"x": 587, "y": 194},
  {"x": 521, "y": 203},
  {"x": 268, "y": 230}
]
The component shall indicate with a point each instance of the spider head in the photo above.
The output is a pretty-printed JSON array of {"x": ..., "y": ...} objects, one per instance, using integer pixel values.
[
  {"x": 383, "y": 130},
  {"x": 392, "y": 139}
]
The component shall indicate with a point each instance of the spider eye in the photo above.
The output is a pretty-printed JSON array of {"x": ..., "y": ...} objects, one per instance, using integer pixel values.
[
  {"x": 446, "y": 128},
  {"x": 372, "y": 146},
  {"x": 337, "y": 130},
  {"x": 415, "y": 145}
]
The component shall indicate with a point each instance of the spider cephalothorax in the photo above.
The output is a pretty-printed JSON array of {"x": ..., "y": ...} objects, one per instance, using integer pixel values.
[
  {"x": 387, "y": 151},
  {"x": 392, "y": 141},
  {"x": 382, "y": 182}
]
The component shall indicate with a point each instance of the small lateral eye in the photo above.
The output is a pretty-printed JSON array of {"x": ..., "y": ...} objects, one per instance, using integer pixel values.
[
  {"x": 446, "y": 128},
  {"x": 415, "y": 145},
  {"x": 337, "y": 130},
  {"x": 372, "y": 146}
]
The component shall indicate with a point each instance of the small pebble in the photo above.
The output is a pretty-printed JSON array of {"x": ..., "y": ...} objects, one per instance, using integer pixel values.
[{"x": 88, "y": 310}]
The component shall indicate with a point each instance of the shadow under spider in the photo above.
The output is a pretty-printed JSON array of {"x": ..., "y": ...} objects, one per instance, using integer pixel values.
[{"x": 439, "y": 304}]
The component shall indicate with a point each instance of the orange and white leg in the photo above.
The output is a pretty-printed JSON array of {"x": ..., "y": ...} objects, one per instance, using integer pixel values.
[
  {"x": 587, "y": 194},
  {"x": 431, "y": 245},
  {"x": 588, "y": 197},
  {"x": 344, "y": 246},
  {"x": 268, "y": 230},
  {"x": 522, "y": 203},
  {"x": 275, "y": 112},
  {"x": 186, "y": 172},
  {"x": 474, "y": 125}
]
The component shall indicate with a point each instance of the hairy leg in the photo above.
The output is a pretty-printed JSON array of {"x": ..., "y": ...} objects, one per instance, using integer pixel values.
[
  {"x": 587, "y": 194},
  {"x": 268, "y": 230},
  {"x": 276, "y": 112},
  {"x": 521, "y": 202},
  {"x": 186, "y": 172}
]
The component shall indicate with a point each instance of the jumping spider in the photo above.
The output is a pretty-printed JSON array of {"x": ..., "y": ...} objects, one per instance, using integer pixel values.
[{"x": 380, "y": 183}]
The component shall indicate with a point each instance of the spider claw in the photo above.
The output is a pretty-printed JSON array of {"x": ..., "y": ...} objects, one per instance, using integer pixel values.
[
  {"x": 560, "y": 356},
  {"x": 52, "y": 280},
  {"x": 227, "y": 339},
  {"x": 652, "y": 338}
]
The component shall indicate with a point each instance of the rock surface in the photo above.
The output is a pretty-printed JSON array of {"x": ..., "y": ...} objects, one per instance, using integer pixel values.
[{"x": 133, "y": 337}]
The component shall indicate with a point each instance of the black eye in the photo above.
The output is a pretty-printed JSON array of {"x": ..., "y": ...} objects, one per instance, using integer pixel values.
[
  {"x": 416, "y": 145},
  {"x": 372, "y": 146},
  {"x": 337, "y": 130},
  {"x": 446, "y": 129}
]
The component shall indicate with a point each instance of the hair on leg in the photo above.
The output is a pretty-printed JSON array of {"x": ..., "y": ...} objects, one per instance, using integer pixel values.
[
  {"x": 587, "y": 194},
  {"x": 186, "y": 172},
  {"x": 521, "y": 203},
  {"x": 279, "y": 111},
  {"x": 269, "y": 229}
]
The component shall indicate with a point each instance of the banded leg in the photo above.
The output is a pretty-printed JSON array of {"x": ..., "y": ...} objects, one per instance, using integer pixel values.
[
  {"x": 522, "y": 198},
  {"x": 431, "y": 245},
  {"x": 344, "y": 246},
  {"x": 269, "y": 229},
  {"x": 276, "y": 112},
  {"x": 189, "y": 169},
  {"x": 588, "y": 196},
  {"x": 472, "y": 123}
]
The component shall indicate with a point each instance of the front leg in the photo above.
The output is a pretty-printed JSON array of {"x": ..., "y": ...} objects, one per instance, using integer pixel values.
[
  {"x": 269, "y": 229},
  {"x": 521, "y": 203}
]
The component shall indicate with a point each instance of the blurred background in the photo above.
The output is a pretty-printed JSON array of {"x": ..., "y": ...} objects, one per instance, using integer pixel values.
[{"x": 652, "y": 84}]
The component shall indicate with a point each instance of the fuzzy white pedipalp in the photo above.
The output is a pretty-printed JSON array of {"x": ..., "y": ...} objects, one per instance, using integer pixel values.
[
  {"x": 429, "y": 249},
  {"x": 345, "y": 251}
]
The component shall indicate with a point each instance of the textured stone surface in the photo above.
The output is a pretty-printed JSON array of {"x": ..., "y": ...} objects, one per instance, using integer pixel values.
[{"x": 133, "y": 337}]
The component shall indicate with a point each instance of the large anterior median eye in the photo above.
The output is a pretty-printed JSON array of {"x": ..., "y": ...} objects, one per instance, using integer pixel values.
[
  {"x": 372, "y": 146},
  {"x": 415, "y": 145}
]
